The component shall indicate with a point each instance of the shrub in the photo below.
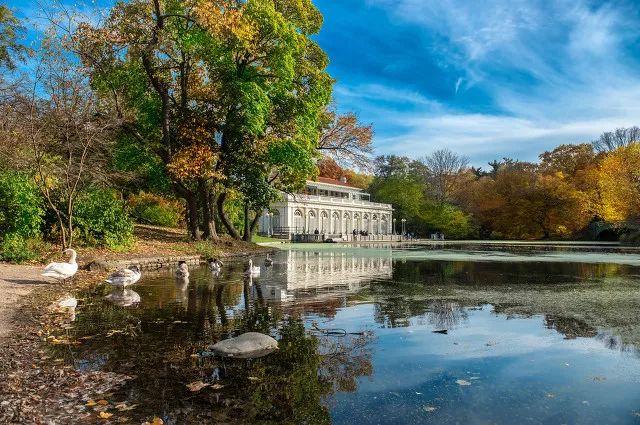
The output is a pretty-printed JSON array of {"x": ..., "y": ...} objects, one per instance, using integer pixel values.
[
  {"x": 20, "y": 217},
  {"x": 631, "y": 238},
  {"x": 154, "y": 209},
  {"x": 100, "y": 219},
  {"x": 17, "y": 248},
  {"x": 20, "y": 206}
]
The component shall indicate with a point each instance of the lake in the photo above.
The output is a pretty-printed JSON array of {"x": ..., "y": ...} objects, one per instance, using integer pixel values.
[{"x": 378, "y": 335}]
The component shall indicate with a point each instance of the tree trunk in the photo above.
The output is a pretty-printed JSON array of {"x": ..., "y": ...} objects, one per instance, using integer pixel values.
[
  {"x": 212, "y": 197},
  {"x": 223, "y": 217},
  {"x": 254, "y": 225},
  {"x": 192, "y": 216},
  {"x": 208, "y": 224},
  {"x": 247, "y": 224}
]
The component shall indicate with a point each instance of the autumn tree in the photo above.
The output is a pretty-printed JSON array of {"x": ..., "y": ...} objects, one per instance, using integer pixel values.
[
  {"x": 620, "y": 137},
  {"x": 64, "y": 131},
  {"x": 445, "y": 170},
  {"x": 241, "y": 80},
  {"x": 346, "y": 140},
  {"x": 619, "y": 182}
]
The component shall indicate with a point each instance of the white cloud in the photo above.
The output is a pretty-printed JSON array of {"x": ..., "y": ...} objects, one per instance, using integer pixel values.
[{"x": 581, "y": 83}]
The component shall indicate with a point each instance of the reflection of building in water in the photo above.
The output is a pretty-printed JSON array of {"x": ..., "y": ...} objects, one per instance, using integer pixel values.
[{"x": 307, "y": 273}]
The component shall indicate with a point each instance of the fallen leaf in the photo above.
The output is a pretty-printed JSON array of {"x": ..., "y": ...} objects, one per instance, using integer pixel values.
[
  {"x": 157, "y": 421},
  {"x": 462, "y": 382},
  {"x": 123, "y": 407},
  {"x": 90, "y": 403},
  {"x": 196, "y": 386},
  {"x": 103, "y": 402},
  {"x": 105, "y": 415},
  {"x": 217, "y": 386}
]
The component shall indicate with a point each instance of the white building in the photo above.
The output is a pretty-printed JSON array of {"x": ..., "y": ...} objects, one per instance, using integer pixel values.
[
  {"x": 307, "y": 274},
  {"x": 331, "y": 207}
]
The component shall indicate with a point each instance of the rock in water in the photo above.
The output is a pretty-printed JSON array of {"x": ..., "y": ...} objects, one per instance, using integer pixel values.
[{"x": 246, "y": 346}]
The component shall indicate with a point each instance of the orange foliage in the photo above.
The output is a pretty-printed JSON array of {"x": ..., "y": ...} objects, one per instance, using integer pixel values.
[{"x": 194, "y": 161}]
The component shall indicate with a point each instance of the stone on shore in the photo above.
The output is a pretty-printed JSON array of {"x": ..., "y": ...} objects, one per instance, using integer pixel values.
[{"x": 246, "y": 346}]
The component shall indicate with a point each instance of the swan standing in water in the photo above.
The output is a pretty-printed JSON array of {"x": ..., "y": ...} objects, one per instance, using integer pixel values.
[
  {"x": 125, "y": 277},
  {"x": 252, "y": 271},
  {"x": 215, "y": 265},
  {"x": 62, "y": 271},
  {"x": 183, "y": 270}
]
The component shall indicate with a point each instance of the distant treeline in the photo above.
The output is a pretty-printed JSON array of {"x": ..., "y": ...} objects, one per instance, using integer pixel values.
[{"x": 562, "y": 196}]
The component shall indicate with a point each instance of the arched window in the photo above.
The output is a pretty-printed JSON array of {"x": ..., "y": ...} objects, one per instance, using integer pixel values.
[
  {"x": 298, "y": 222},
  {"x": 335, "y": 222},
  {"x": 347, "y": 223},
  {"x": 356, "y": 222},
  {"x": 324, "y": 221},
  {"x": 374, "y": 224},
  {"x": 313, "y": 222},
  {"x": 384, "y": 225},
  {"x": 365, "y": 222},
  {"x": 275, "y": 222}
]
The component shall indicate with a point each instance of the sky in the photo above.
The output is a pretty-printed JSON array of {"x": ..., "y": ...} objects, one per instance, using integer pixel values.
[{"x": 487, "y": 79}]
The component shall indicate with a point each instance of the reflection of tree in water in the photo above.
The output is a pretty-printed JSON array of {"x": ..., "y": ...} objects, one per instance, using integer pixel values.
[
  {"x": 474, "y": 273},
  {"x": 569, "y": 327},
  {"x": 292, "y": 385},
  {"x": 396, "y": 312}
]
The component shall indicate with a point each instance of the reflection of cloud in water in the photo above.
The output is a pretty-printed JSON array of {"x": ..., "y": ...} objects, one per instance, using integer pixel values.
[
  {"x": 124, "y": 297},
  {"x": 324, "y": 273}
]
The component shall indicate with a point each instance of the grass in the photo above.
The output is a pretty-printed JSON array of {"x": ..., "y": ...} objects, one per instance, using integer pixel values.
[{"x": 263, "y": 239}]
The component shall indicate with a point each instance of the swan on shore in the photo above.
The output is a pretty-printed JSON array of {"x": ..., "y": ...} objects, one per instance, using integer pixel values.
[
  {"x": 125, "y": 277},
  {"x": 62, "y": 271}
]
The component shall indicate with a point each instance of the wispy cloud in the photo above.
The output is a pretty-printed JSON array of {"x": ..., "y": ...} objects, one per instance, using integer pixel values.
[{"x": 522, "y": 76}]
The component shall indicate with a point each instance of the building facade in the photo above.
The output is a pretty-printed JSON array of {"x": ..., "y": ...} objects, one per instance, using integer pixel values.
[{"x": 330, "y": 208}]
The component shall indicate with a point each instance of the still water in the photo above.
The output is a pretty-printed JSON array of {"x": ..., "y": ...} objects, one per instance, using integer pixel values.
[{"x": 357, "y": 343}]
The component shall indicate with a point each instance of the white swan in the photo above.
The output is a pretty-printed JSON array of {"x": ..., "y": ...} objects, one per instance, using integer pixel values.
[
  {"x": 252, "y": 271},
  {"x": 268, "y": 262},
  {"x": 125, "y": 277},
  {"x": 215, "y": 265},
  {"x": 183, "y": 270},
  {"x": 62, "y": 271}
]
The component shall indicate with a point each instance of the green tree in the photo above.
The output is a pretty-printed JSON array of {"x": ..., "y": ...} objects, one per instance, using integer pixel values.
[{"x": 242, "y": 81}]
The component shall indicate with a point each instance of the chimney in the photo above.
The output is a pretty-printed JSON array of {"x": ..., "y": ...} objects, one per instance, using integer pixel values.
[{"x": 343, "y": 179}]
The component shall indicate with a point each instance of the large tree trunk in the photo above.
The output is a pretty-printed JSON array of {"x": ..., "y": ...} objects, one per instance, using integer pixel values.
[
  {"x": 254, "y": 224},
  {"x": 192, "y": 216},
  {"x": 247, "y": 224},
  {"x": 223, "y": 217},
  {"x": 212, "y": 197},
  {"x": 208, "y": 224}
]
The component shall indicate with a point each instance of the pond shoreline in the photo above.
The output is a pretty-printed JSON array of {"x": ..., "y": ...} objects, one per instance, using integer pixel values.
[{"x": 30, "y": 322}]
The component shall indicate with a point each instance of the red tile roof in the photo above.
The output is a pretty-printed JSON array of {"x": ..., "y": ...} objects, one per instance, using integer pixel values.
[{"x": 335, "y": 181}]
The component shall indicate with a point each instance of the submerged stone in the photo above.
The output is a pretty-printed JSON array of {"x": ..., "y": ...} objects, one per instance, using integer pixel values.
[{"x": 246, "y": 346}]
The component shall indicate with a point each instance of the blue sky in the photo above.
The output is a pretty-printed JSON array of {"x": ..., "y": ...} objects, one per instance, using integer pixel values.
[
  {"x": 484, "y": 78},
  {"x": 488, "y": 79}
]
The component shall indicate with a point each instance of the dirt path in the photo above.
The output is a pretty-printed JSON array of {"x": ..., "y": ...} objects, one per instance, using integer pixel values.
[{"x": 15, "y": 282}]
